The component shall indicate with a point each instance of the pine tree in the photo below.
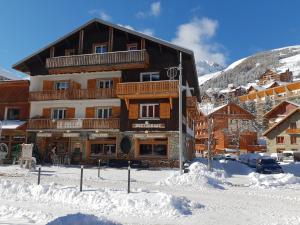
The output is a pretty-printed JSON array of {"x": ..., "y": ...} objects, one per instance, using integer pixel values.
[{"x": 268, "y": 105}]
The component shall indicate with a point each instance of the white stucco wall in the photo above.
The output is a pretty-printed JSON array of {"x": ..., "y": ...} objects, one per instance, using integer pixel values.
[
  {"x": 36, "y": 108},
  {"x": 36, "y": 82}
]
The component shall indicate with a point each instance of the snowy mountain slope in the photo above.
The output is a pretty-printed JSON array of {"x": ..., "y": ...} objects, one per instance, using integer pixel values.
[
  {"x": 250, "y": 68},
  {"x": 205, "y": 67}
]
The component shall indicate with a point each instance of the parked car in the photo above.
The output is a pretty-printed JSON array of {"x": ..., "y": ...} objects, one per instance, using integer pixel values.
[
  {"x": 297, "y": 156},
  {"x": 277, "y": 156},
  {"x": 250, "y": 159},
  {"x": 288, "y": 156},
  {"x": 231, "y": 157},
  {"x": 268, "y": 166}
]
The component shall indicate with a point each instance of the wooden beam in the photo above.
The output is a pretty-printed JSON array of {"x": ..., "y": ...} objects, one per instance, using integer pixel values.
[
  {"x": 80, "y": 45},
  {"x": 52, "y": 51},
  {"x": 171, "y": 103},
  {"x": 143, "y": 44},
  {"x": 127, "y": 103},
  {"x": 110, "y": 39}
]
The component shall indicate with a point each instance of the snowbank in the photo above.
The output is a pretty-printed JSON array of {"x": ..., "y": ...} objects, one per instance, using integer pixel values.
[
  {"x": 105, "y": 201},
  {"x": 197, "y": 177},
  {"x": 272, "y": 180},
  {"x": 81, "y": 219}
]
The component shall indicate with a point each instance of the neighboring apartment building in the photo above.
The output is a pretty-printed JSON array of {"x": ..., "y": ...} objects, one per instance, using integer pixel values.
[
  {"x": 14, "y": 112},
  {"x": 285, "y": 134},
  {"x": 279, "y": 112},
  {"x": 232, "y": 130},
  {"x": 271, "y": 75},
  {"x": 102, "y": 82}
]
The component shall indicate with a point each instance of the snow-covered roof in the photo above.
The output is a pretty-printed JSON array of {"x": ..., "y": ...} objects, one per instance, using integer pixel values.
[
  {"x": 12, "y": 124},
  {"x": 209, "y": 108}
]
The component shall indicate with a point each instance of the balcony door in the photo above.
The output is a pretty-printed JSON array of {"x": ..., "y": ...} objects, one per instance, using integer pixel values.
[
  {"x": 59, "y": 114},
  {"x": 149, "y": 76},
  {"x": 61, "y": 85}
]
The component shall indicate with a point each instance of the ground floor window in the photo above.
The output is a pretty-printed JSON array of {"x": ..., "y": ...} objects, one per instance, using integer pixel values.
[
  {"x": 156, "y": 147},
  {"x": 102, "y": 149}
]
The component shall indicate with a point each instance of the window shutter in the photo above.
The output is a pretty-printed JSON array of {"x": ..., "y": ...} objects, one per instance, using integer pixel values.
[
  {"x": 48, "y": 85},
  {"x": 91, "y": 84},
  {"x": 164, "y": 110},
  {"x": 70, "y": 113},
  {"x": 133, "y": 111},
  {"x": 116, "y": 111},
  {"x": 90, "y": 112},
  {"x": 75, "y": 85},
  {"x": 47, "y": 113}
]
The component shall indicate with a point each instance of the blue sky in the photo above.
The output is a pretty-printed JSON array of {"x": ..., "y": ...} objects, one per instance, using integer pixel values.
[{"x": 217, "y": 30}]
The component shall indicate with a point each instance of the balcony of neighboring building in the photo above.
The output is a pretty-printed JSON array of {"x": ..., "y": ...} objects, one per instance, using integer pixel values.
[{"x": 106, "y": 61}]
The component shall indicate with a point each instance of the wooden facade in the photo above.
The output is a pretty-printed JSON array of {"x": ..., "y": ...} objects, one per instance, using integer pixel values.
[
  {"x": 231, "y": 129},
  {"x": 271, "y": 75},
  {"x": 120, "y": 75},
  {"x": 14, "y": 112}
]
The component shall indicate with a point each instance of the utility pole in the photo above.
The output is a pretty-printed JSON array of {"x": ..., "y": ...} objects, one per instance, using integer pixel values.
[{"x": 180, "y": 112}]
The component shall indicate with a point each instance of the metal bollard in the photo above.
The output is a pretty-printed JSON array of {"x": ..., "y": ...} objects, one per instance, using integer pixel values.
[
  {"x": 99, "y": 165},
  {"x": 39, "y": 175},
  {"x": 128, "y": 187},
  {"x": 81, "y": 177}
]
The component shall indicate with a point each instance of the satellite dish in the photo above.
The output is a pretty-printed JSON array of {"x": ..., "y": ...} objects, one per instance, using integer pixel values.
[{"x": 125, "y": 144}]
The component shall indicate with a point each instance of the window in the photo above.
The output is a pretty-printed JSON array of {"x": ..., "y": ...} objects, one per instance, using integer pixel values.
[
  {"x": 104, "y": 83},
  {"x": 149, "y": 111},
  {"x": 103, "y": 149},
  {"x": 158, "y": 147},
  {"x": 13, "y": 114},
  {"x": 62, "y": 85},
  {"x": 293, "y": 125},
  {"x": 151, "y": 76},
  {"x": 132, "y": 46},
  {"x": 69, "y": 52},
  {"x": 279, "y": 140},
  {"x": 104, "y": 113},
  {"x": 293, "y": 139},
  {"x": 59, "y": 114},
  {"x": 101, "y": 48}
]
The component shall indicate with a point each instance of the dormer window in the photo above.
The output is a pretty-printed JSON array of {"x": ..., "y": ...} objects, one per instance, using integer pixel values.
[
  {"x": 132, "y": 47},
  {"x": 100, "y": 48},
  {"x": 69, "y": 52}
]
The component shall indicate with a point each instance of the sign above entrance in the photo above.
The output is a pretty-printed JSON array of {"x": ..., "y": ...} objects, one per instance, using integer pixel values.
[
  {"x": 71, "y": 134},
  {"x": 44, "y": 135},
  {"x": 148, "y": 125},
  {"x": 149, "y": 135},
  {"x": 98, "y": 135}
]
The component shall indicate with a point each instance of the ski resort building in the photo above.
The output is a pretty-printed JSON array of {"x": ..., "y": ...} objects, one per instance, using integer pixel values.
[
  {"x": 103, "y": 82},
  {"x": 285, "y": 134},
  {"x": 14, "y": 112},
  {"x": 226, "y": 129},
  {"x": 271, "y": 75}
]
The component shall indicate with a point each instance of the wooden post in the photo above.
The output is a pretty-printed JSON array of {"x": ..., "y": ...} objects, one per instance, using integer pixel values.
[
  {"x": 52, "y": 51},
  {"x": 143, "y": 44},
  {"x": 81, "y": 178},
  {"x": 80, "y": 46},
  {"x": 39, "y": 175},
  {"x": 99, "y": 165},
  {"x": 128, "y": 187},
  {"x": 110, "y": 39}
]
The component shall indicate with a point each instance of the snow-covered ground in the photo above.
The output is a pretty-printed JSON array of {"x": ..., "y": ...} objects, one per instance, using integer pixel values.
[{"x": 231, "y": 194}]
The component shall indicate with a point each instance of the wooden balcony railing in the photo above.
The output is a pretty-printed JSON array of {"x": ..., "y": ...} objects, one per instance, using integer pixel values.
[
  {"x": 152, "y": 89},
  {"x": 293, "y": 131},
  {"x": 94, "y": 123},
  {"x": 72, "y": 94},
  {"x": 191, "y": 102},
  {"x": 130, "y": 59}
]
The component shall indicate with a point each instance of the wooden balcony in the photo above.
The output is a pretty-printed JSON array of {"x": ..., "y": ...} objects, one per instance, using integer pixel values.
[
  {"x": 191, "y": 102},
  {"x": 98, "y": 62},
  {"x": 72, "y": 94},
  {"x": 69, "y": 124},
  {"x": 293, "y": 131},
  {"x": 148, "y": 90}
]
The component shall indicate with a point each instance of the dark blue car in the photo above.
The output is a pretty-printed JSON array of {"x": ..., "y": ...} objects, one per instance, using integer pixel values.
[{"x": 268, "y": 166}]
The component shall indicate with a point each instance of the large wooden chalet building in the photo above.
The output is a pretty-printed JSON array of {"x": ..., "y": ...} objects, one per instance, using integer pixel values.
[{"x": 102, "y": 82}]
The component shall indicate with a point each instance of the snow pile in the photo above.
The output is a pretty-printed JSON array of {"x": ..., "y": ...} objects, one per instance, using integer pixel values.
[
  {"x": 81, "y": 219},
  {"x": 106, "y": 201},
  {"x": 272, "y": 180},
  {"x": 8, "y": 213},
  {"x": 197, "y": 177}
]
